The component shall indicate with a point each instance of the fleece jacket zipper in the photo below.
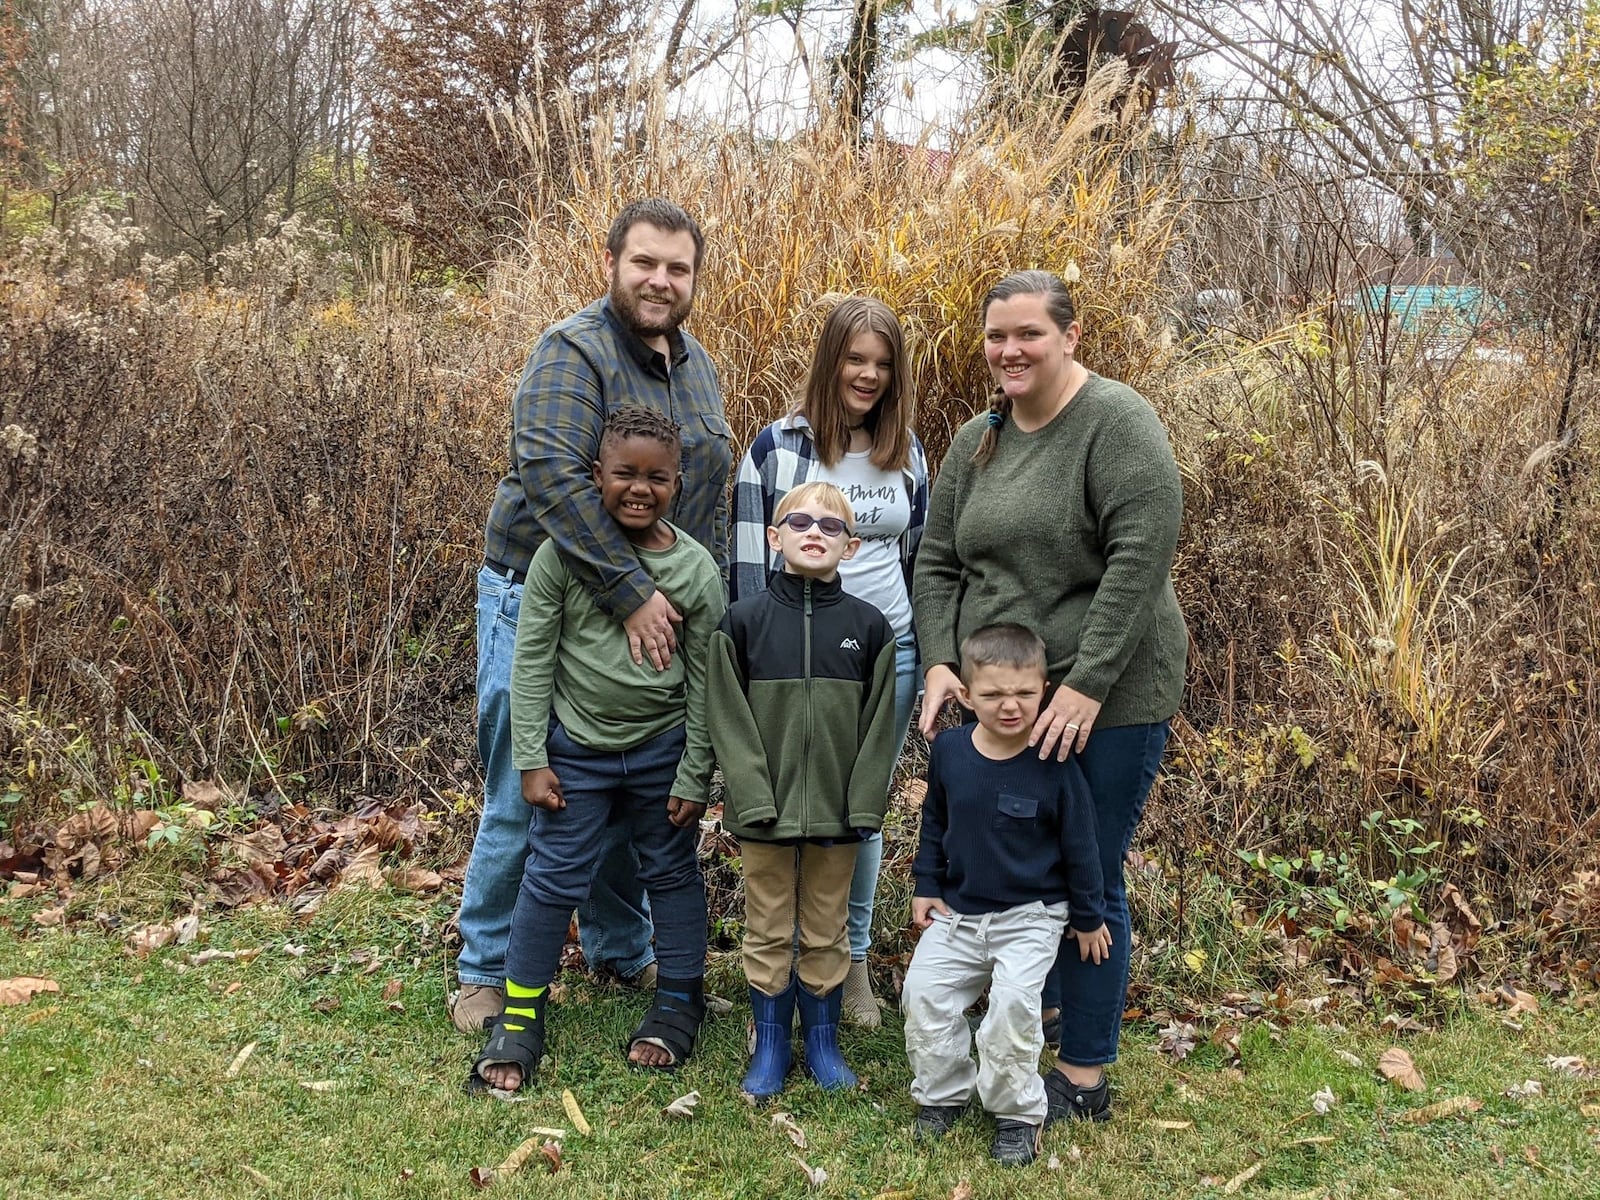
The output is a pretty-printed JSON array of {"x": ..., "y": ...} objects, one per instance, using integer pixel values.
[{"x": 805, "y": 792}]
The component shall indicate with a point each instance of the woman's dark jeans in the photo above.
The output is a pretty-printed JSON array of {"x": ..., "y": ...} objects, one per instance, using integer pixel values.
[{"x": 1120, "y": 765}]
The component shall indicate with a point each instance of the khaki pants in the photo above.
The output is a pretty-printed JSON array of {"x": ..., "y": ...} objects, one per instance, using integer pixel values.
[
  {"x": 1008, "y": 952},
  {"x": 787, "y": 886}
]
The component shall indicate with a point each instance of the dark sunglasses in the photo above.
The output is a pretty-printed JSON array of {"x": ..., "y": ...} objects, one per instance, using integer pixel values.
[{"x": 800, "y": 522}]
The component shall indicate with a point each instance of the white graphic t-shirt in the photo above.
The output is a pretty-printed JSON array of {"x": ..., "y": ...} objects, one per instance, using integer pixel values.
[{"x": 883, "y": 511}]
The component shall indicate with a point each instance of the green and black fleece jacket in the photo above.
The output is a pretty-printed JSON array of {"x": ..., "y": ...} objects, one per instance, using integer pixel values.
[{"x": 800, "y": 701}]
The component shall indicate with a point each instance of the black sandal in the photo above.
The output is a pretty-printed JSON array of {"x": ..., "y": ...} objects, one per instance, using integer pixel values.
[
  {"x": 514, "y": 1040},
  {"x": 672, "y": 1024}
]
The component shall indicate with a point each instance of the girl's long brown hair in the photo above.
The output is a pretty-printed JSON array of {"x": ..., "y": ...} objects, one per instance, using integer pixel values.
[{"x": 890, "y": 420}]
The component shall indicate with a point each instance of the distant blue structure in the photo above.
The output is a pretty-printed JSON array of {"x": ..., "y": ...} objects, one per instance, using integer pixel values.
[{"x": 1427, "y": 308}]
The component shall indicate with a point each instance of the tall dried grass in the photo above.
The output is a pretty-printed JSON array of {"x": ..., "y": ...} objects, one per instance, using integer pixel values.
[{"x": 244, "y": 544}]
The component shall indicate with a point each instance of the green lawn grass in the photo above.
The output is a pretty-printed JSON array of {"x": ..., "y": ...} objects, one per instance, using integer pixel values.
[{"x": 117, "y": 1087}]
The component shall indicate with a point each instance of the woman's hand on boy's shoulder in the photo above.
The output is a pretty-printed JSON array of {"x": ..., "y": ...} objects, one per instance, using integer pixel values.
[
  {"x": 684, "y": 813},
  {"x": 541, "y": 789},
  {"x": 924, "y": 907}
]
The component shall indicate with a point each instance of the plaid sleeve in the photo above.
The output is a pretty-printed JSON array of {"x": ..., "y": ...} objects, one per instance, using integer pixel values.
[
  {"x": 752, "y": 513},
  {"x": 912, "y": 538},
  {"x": 557, "y": 415}
]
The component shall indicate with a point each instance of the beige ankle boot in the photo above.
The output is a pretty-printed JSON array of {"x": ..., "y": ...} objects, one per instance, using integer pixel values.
[{"x": 860, "y": 1006}]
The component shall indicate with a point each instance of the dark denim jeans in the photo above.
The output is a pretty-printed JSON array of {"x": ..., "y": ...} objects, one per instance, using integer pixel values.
[
  {"x": 1120, "y": 765},
  {"x": 614, "y": 922},
  {"x": 609, "y": 789}
]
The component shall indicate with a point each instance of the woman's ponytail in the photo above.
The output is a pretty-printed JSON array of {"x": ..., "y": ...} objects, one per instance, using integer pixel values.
[{"x": 999, "y": 410}]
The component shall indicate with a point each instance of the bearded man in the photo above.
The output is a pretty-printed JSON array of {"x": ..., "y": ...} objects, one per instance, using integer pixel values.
[{"x": 627, "y": 348}]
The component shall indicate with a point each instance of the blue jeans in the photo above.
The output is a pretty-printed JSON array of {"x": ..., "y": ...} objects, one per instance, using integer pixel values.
[
  {"x": 609, "y": 789},
  {"x": 615, "y": 922},
  {"x": 865, "y": 880},
  {"x": 1120, "y": 765}
]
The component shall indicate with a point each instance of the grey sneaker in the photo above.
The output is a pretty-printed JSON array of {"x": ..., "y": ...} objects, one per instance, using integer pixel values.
[
  {"x": 1016, "y": 1143},
  {"x": 935, "y": 1120},
  {"x": 860, "y": 1006},
  {"x": 1068, "y": 1101}
]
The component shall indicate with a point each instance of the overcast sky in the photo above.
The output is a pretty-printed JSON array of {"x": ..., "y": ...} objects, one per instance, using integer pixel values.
[{"x": 764, "y": 84}]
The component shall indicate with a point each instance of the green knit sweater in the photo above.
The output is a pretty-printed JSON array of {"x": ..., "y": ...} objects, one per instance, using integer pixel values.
[
  {"x": 1069, "y": 530},
  {"x": 574, "y": 659}
]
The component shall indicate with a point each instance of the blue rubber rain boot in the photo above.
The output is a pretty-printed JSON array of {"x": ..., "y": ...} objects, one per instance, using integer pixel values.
[
  {"x": 769, "y": 1062},
  {"x": 819, "y": 1021}
]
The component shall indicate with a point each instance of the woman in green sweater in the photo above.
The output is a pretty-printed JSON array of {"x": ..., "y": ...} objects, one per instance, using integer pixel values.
[{"x": 1058, "y": 509}]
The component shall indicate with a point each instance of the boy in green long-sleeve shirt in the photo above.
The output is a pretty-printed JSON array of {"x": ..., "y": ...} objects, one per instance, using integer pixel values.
[{"x": 600, "y": 739}]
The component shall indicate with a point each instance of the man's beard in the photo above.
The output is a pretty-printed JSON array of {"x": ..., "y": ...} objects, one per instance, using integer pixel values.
[{"x": 627, "y": 307}]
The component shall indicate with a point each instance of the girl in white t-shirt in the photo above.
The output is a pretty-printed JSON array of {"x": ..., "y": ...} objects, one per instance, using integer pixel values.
[{"x": 851, "y": 426}]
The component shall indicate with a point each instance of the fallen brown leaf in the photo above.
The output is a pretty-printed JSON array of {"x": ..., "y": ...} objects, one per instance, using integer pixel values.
[
  {"x": 266, "y": 1181},
  {"x": 147, "y": 938},
  {"x": 1396, "y": 1066},
  {"x": 186, "y": 929},
  {"x": 683, "y": 1106},
  {"x": 1242, "y": 1178},
  {"x": 815, "y": 1176},
  {"x": 1172, "y": 1126},
  {"x": 239, "y": 1061},
  {"x": 209, "y": 956},
  {"x": 552, "y": 1155},
  {"x": 414, "y": 879},
  {"x": 391, "y": 990},
  {"x": 783, "y": 1121},
  {"x": 1178, "y": 1039},
  {"x": 232, "y": 988},
  {"x": 362, "y": 870},
  {"x": 1445, "y": 1108},
  {"x": 1568, "y": 1064},
  {"x": 487, "y": 1177},
  {"x": 203, "y": 793},
  {"x": 574, "y": 1113},
  {"x": 961, "y": 1191},
  {"x": 97, "y": 824},
  {"x": 1515, "y": 1000},
  {"x": 24, "y": 988}
]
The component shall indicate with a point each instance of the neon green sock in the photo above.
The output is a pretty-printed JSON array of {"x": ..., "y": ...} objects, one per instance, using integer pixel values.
[{"x": 529, "y": 1006}]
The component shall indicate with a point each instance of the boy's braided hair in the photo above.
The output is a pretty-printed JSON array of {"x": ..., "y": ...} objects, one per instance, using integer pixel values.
[{"x": 633, "y": 420}]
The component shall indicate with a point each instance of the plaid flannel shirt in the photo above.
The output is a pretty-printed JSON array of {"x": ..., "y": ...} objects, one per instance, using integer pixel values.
[
  {"x": 780, "y": 459},
  {"x": 580, "y": 370}
]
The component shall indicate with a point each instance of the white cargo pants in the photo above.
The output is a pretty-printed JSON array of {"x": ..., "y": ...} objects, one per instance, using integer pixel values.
[{"x": 1009, "y": 952}]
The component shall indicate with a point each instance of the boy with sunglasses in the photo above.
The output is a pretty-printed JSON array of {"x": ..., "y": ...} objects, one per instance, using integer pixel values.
[{"x": 800, "y": 695}]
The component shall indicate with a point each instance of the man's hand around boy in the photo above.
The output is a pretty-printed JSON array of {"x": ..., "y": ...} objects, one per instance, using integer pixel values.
[
  {"x": 541, "y": 789},
  {"x": 1096, "y": 944},
  {"x": 923, "y": 908},
  {"x": 684, "y": 813},
  {"x": 650, "y": 631}
]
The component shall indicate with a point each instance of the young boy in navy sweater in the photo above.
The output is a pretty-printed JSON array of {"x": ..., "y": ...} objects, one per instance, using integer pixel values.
[{"x": 1007, "y": 859}]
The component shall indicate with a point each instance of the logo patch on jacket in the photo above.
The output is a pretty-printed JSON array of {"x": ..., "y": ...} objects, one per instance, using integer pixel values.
[{"x": 849, "y": 644}]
